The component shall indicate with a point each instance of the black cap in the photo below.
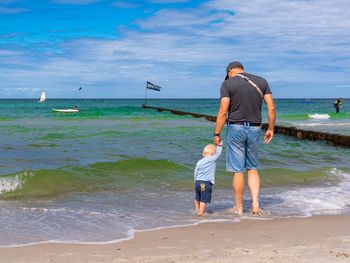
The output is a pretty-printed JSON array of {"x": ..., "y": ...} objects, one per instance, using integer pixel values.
[{"x": 234, "y": 64}]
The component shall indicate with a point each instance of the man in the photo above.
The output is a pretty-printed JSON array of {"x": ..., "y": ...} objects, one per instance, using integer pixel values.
[
  {"x": 338, "y": 104},
  {"x": 242, "y": 95}
]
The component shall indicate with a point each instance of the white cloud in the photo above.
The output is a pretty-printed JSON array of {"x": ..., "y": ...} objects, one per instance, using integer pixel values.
[
  {"x": 12, "y": 10},
  {"x": 8, "y": 1},
  {"x": 305, "y": 25},
  {"x": 278, "y": 38},
  {"x": 75, "y": 2},
  {"x": 167, "y": 1},
  {"x": 302, "y": 25},
  {"x": 291, "y": 43},
  {"x": 125, "y": 4}
]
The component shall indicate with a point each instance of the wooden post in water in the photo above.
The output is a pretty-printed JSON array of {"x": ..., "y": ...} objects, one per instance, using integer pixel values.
[{"x": 335, "y": 139}]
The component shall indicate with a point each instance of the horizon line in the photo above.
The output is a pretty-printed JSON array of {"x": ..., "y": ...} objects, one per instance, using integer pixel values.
[{"x": 290, "y": 98}]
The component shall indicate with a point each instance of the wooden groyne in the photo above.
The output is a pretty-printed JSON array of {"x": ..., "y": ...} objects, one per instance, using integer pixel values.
[{"x": 335, "y": 139}]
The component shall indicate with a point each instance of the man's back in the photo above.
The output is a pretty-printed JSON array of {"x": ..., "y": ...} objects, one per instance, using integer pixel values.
[{"x": 245, "y": 100}]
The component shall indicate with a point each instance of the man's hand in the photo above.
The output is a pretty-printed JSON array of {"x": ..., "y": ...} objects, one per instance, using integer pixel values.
[
  {"x": 217, "y": 140},
  {"x": 271, "y": 112},
  {"x": 268, "y": 136}
]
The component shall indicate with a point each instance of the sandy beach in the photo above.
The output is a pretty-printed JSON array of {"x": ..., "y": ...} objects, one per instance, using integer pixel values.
[{"x": 316, "y": 239}]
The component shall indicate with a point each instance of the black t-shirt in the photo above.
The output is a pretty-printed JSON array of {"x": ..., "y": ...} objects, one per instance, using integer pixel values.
[{"x": 245, "y": 100}]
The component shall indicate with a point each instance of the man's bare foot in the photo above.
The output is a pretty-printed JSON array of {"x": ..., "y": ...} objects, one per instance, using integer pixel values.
[
  {"x": 237, "y": 211},
  {"x": 256, "y": 211},
  {"x": 200, "y": 215}
]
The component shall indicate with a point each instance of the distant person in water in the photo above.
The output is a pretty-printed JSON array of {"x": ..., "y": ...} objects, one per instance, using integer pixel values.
[
  {"x": 204, "y": 177},
  {"x": 338, "y": 104}
]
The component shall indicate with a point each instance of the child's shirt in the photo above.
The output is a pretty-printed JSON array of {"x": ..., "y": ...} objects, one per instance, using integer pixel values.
[{"x": 206, "y": 167}]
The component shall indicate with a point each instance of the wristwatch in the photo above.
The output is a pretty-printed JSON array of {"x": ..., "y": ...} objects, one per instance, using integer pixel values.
[{"x": 216, "y": 134}]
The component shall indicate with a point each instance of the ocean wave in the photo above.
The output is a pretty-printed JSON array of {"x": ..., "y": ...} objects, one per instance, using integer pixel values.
[
  {"x": 271, "y": 177},
  {"x": 319, "y": 116},
  {"x": 315, "y": 116},
  {"x": 330, "y": 198},
  {"x": 130, "y": 175},
  {"x": 124, "y": 175},
  {"x": 319, "y": 124},
  {"x": 11, "y": 183}
]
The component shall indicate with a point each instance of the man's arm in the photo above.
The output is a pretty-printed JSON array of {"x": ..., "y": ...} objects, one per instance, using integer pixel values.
[
  {"x": 271, "y": 110},
  {"x": 221, "y": 118}
]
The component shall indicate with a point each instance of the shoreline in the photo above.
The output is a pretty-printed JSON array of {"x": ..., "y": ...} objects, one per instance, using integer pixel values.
[
  {"x": 323, "y": 238},
  {"x": 133, "y": 233}
]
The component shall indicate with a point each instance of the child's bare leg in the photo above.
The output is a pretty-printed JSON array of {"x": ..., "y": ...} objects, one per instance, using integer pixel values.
[
  {"x": 196, "y": 205},
  {"x": 202, "y": 207}
]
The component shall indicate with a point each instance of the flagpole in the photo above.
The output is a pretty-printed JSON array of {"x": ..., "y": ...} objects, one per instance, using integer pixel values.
[
  {"x": 146, "y": 96},
  {"x": 151, "y": 86}
]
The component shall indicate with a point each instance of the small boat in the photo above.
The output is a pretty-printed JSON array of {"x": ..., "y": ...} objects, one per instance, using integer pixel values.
[
  {"x": 75, "y": 110},
  {"x": 42, "y": 97}
]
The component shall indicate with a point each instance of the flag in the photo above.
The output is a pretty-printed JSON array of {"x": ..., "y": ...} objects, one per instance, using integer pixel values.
[{"x": 152, "y": 86}]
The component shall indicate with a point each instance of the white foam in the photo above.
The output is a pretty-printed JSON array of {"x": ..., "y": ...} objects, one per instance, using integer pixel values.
[
  {"x": 319, "y": 116},
  {"x": 332, "y": 197},
  {"x": 130, "y": 235},
  {"x": 326, "y": 199},
  {"x": 10, "y": 184},
  {"x": 318, "y": 123}
]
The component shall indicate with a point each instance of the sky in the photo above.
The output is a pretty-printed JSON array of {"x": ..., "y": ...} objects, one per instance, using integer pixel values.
[{"x": 111, "y": 48}]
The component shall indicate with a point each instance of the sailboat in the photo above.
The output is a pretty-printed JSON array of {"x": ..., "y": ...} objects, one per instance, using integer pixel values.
[
  {"x": 73, "y": 110},
  {"x": 42, "y": 97}
]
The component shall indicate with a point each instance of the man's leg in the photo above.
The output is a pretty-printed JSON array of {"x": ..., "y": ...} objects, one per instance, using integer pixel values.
[
  {"x": 235, "y": 159},
  {"x": 238, "y": 189},
  {"x": 254, "y": 186},
  {"x": 251, "y": 165}
]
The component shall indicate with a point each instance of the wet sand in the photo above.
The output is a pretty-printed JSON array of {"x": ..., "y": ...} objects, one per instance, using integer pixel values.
[{"x": 317, "y": 239}]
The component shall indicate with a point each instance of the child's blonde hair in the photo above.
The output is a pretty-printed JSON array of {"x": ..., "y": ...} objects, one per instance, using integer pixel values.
[{"x": 209, "y": 150}]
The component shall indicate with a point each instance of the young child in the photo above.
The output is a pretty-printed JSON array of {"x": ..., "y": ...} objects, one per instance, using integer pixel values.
[{"x": 204, "y": 177}]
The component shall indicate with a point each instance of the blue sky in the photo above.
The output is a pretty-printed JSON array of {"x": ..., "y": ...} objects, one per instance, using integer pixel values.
[{"x": 111, "y": 48}]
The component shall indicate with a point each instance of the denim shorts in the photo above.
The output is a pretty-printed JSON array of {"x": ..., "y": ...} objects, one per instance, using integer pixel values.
[
  {"x": 242, "y": 147},
  {"x": 203, "y": 190}
]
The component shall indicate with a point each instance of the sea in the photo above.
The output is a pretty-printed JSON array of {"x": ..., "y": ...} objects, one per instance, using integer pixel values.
[{"x": 115, "y": 168}]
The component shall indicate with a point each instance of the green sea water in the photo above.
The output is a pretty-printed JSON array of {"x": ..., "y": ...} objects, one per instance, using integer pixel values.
[
  {"x": 126, "y": 160},
  {"x": 41, "y": 146}
]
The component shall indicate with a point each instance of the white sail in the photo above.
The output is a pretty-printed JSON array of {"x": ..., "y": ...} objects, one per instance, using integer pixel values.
[{"x": 42, "y": 97}]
